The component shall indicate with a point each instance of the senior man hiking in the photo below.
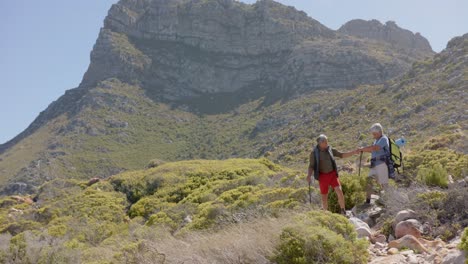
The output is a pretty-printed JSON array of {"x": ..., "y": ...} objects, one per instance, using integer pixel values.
[
  {"x": 322, "y": 164},
  {"x": 379, "y": 159}
]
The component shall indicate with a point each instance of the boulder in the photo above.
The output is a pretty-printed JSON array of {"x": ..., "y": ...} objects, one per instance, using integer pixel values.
[
  {"x": 361, "y": 227},
  {"x": 20, "y": 199},
  {"x": 454, "y": 257},
  {"x": 93, "y": 181},
  {"x": 379, "y": 238},
  {"x": 408, "y": 241},
  {"x": 404, "y": 215},
  {"x": 408, "y": 227},
  {"x": 368, "y": 213}
]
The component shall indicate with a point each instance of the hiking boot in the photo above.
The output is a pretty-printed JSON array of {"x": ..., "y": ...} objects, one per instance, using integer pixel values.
[{"x": 343, "y": 212}]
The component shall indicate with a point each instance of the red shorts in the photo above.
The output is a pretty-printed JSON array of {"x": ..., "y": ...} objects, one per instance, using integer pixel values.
[{"x": 328, "y": 179}]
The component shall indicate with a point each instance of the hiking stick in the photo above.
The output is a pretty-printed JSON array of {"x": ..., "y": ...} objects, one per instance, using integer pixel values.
[{"x": 360, "y": 160}]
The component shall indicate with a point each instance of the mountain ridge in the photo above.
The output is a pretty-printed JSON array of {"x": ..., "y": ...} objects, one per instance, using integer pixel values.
[
  {"x": 320, "y": 60},
  {"x": 117, "y": 125}
]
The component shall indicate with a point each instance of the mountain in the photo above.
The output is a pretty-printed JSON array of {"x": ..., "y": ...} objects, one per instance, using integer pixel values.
[
  {"x": 188, "y": 138},
  {"x": 176, "y": 80},
  {"x": 198, "y": 53}
]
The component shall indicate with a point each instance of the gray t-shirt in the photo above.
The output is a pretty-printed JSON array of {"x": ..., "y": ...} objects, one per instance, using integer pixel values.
[{"x": 384, "y": 146}]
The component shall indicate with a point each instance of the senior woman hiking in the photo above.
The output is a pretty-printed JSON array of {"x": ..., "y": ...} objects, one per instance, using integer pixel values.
[
  {"x": 380, "y": 153},
  {"x": 323, "y": 166}
]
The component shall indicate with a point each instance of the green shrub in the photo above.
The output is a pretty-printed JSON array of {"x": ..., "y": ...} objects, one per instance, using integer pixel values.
[
  {"x": 464, "y": 240},
  {"x": 455, "y": 163},
  {"x": 435, "y": 199},
  {"x": 354, "y": 190},
  {"x": 161, "y": 218},
  {"x": 437, "y": 176},
  {"x": 320, "y": 237},
  {"x": 387, "y": 228}
]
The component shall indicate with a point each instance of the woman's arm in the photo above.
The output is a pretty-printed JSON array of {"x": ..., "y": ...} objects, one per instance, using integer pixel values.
[{"x": 369, "y": 148}]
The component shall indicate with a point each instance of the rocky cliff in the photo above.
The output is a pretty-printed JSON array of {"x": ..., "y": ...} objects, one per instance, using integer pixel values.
[
  {"x": 201, "y": 52},
  {"x": 159, "y": 66},
  {"x": 389, "y": 32}
]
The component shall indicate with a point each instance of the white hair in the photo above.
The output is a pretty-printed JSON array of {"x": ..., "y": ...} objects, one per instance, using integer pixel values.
[
  {"x": 321, "y": 138},
  {"x": 377, "y": 127}
]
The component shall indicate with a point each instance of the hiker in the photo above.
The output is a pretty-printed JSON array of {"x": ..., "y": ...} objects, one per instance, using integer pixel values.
[
  {"x": 322, "y": 164},
  {"x": 379, "y": 154}
]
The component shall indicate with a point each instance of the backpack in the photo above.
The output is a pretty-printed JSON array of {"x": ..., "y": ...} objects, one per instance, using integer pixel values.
[{"x": 395, "y": 155}]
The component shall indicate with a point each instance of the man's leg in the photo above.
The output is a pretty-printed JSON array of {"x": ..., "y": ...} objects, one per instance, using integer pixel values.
[
  {"x": 340, "y": 195},
  {"x": 323, "y": 183},
  {"x": 325, "y": 201}
]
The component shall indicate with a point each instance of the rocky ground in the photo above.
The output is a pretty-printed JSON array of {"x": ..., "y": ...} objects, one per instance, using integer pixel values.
[{"x": 406, "y": 243}]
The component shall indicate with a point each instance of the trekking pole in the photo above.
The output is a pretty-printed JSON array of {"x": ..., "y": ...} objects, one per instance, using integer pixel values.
[
  {"x": 310, "y": 194},
  {"x": 360, "y": 160}
]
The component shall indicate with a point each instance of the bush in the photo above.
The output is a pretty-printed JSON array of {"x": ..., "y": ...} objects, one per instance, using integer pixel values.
[
  {"x": 354, "y": 190},
  {"x": 436, "y": 177},
  {"x": 455, "y": 163},
  {"x": 320, "y": 237},
  {"x": 464, "y": 240}
]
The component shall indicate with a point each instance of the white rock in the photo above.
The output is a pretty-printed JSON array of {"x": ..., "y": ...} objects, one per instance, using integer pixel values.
[
  {"x": 407, "y": 252},
  {"x": 412, "y": 259},
  {"x": 380, "y": 245},
  {"x": 362, "y": 229}
]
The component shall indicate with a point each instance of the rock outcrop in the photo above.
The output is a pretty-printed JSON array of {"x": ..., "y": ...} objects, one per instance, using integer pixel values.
[
  {"x": 199, "y": 53},
  {"x": 389, "y": 32}
]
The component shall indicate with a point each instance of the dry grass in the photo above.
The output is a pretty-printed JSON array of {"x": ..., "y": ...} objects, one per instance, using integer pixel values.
[{"x": 242, "y": 243}]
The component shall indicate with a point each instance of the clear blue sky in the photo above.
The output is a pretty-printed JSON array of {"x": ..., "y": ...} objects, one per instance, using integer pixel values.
[{"x": 45, "y": 45}]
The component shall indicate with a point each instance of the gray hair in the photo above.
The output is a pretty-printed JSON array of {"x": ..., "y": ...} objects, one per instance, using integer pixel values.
[
  {"x": 377, "y": 127},
  {"x": 321, "y": 138}
]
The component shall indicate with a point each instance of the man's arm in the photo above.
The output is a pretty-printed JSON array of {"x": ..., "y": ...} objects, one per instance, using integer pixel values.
[{"x": 310, "y": 170}]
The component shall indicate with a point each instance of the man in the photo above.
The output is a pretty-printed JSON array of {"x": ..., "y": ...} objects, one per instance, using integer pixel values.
[
  {"x": 322, "y": 164},
  {"x": 379, "y": 151}
]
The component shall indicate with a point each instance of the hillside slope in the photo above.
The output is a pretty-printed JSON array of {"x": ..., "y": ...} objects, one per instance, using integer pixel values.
[
  {"x": 120, "y": 128},
  {"x": 196, "y": 54}
]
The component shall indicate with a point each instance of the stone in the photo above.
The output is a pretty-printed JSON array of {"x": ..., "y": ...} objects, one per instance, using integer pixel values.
[
  {"x": 92, "y": 181},
  {"x": 379, "y": 238},
  {"x": 19, "y": 199},
  {"x": 368, "y": 213},
  {"x": 407, "y": 252},
  {"x": 412, "y": 259},
  {"x": 362, "y": 228},
  {"x": 393, "y": 251},
  {"x": 404, "y": 215},
  {"x": 408, "y": 227},
  {"x": 379, "y": 245},
  {"x": 408, "y": 241},
  {"x": 454, "y": 257}
]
